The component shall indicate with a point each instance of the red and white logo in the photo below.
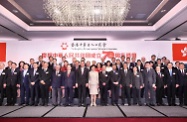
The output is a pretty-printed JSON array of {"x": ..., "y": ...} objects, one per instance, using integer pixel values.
[
  {"x": 64, "y": 46},
  {"x": 179, "y": 52}
]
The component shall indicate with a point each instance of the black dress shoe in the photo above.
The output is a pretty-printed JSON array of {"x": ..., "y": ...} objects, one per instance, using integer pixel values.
[
  {"x": 174, "y": 104},
  {"x": 21, "y": 104},
  {"x": 152, "y": 104},
  {"x": 146, "y": 104},
  {"x": 180, "y": 104}
]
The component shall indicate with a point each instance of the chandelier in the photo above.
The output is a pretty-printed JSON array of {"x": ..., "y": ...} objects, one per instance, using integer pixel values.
[{"x": 87, "y": 12}]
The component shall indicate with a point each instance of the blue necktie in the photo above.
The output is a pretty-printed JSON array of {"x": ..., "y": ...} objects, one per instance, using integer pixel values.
[{"x": 170, "y": 72}]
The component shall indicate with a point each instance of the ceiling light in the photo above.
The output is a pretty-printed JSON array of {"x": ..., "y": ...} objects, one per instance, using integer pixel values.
[
  {"x": 150, "y": 24},
  {"x": 162, "y": 11},
  {"x": 15, "y": 11},
  {"x": 97, "y": 11},
  {"x": 83, "y": 12},
  {"x": 57, "y": 11}
]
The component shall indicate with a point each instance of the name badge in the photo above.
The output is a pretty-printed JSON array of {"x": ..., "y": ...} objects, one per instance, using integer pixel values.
[
  {"x": 37, "y": 73},
  {"x": 141, "y": 69},
  {"x": 173, "y": 73},
  {"x": 162, "y": 67},
  {"x": 106, "y": 75},
  {"x": 162, "y": 75},
  {"x": 116, "y": 73},
  {"x": 137, "y": 76},
  {"x": 59, "y": 75},
  {"x": 15, "y": 73},
  {"x": 47, "y": 72},
  {"x": 27, "y": 74},
  {"x": 186, "y": 73},
  {"x": 3, "y": 73}
]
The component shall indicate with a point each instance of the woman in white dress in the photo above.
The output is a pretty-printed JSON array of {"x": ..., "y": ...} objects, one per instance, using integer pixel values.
[{"x": 93, "y": 85}]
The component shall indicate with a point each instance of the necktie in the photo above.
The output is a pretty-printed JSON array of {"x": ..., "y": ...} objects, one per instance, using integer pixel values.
[
  {"x": 125, "y": 72},
  {"x": 170, "y": 72},
  {"x": 34, "y": 72},
  {"x": 68, "y": 74},
  {"x": 12, "y": 72},
  {"x": 82, "y": 71}
]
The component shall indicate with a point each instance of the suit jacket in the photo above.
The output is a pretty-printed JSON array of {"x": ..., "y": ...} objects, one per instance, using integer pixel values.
[
  {"x": 103, "y": 78},
  {"x": 119, "y": 67},
  {"x": 141, "y": 68},
  {"x": 50, "y": 66},
  {"x": 133, "y": 64},
  {"x": 182, "y": 78},
  {"x": 24, "y": 80},
  {"x": 115, "y": 76},
  {"x": 46, "y": 76},
  {"x": 137, "y": 80},
  {"x": 7, "y": 68},
  {"x": 171, "y": 79},
  {"x": 69, "y": 80},
  {"x": 2, "y": 78},
  {"x": 149, "y": 78},
  {"x": 57, "y": 79},
  {"x": 34, "y": 77},
  {"x": 159, "y": 80},
  {"x": 126, "y": 79},
  {"x": 82, "y": 79},
  {"x": 31, "y": 67},
  {"x": 39, "y": 65},
  {"x": 12, "y": 78}
]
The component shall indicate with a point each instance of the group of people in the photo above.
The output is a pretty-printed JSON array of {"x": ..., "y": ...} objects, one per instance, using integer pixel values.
[{"x": 123, "y": 78}]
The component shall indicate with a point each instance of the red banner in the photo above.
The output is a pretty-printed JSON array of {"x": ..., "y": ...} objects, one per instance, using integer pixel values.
[
  {"x": 3, "y": 52},
  {"x": 179, "y": 52}
]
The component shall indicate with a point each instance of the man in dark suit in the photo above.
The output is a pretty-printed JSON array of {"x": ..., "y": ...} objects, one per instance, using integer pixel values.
[
  {"x": 45, "y": 82},
  {"x": 25, "y": 84},
  {"x": 82, "y": 83},
  {"x": 69, "y": 85},
  {"x": 31, "y": 63},
  {"x": 9, "y": 66},
  {"x": 2, "y": 81},
  {"x": 129, "y": 63},
  {"x": 40, "y": 60},
  {"x": 34, "y": 84},
  {"x": 171, "y": 82},
  {"x": 153, "y": 60},
  {"x": 133, "y": 63},
  {"x": 12, "y": 82},
  {"x": 57, "y": 79},
  {"x": 137, "y": 85},
  {"x": 103, "y": 85},
  {"x": 50, "y": 63},
  {"x": 115, "y": 80},
  {"x": 182, "y": 73},
  {"x": 139, "y": 66},
  {"x": 149, "y": 78},
  {"x": 126, "y": 83},
  {"x": 122, "y": 59},
  {"x": 159, "y": 86},
  {"x": 75, "y": 69},
  {"x": 118, "y": 64}
]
